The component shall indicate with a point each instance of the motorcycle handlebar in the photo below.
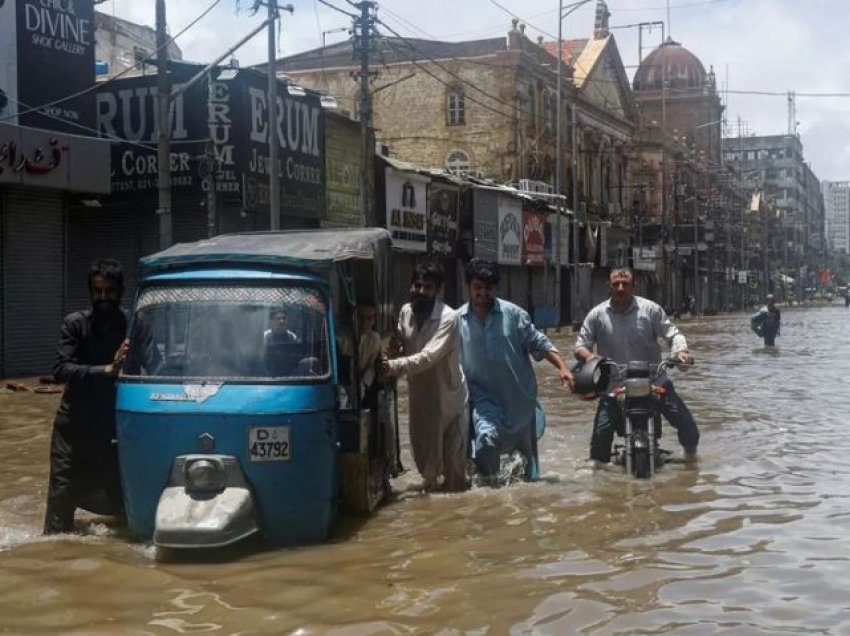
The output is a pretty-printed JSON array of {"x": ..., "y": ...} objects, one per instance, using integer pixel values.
[{"x": 666, "y": 363}]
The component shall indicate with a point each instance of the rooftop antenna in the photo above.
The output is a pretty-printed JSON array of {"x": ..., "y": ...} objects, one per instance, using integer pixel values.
[
  {"x": 669, "y": 26},
  {"x": 792, "y": 113}
]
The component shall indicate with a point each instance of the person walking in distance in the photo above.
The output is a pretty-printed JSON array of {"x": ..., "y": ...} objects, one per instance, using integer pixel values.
[{"x": 765, "y": 323}]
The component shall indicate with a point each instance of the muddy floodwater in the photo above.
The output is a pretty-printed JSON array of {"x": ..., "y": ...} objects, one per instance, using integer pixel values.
[{"x": 753, "y": 539}]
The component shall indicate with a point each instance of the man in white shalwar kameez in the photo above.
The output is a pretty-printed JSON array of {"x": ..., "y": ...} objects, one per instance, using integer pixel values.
[{"x": 439, "y": 415}]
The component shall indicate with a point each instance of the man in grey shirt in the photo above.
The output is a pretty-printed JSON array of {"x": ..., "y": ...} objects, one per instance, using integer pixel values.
[{"x": 626, "y": 328}]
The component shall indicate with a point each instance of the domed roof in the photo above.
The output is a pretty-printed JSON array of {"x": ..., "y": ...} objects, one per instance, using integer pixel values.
[{"x": 683, "y": 68}]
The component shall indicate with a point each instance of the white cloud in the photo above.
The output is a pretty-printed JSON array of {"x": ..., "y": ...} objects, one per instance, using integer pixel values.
[{"x": 761, "y": 45}]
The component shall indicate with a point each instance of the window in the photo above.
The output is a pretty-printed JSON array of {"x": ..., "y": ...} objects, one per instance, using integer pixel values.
[
  {"x": 230, "y": 332},
  {"x": 455, "y": 106},
  {"x": 551, "y": 103},
  {"x": 457, "y": 162}
]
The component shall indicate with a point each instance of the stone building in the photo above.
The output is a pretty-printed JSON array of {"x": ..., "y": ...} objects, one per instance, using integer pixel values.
[
  {"x": 482, "y": 107},
  {"x": 121, "y": 44},
  {"x": 489, "y": 108}
]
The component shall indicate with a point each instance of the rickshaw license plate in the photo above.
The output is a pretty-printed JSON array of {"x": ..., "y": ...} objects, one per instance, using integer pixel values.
[{"x": 268, "y": 443}]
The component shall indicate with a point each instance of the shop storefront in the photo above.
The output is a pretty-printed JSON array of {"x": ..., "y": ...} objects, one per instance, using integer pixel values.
[{"x": 42, "y": 174}]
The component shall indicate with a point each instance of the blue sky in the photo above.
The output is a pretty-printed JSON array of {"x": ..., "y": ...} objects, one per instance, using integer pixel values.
[{"x": 754, "y": 45}]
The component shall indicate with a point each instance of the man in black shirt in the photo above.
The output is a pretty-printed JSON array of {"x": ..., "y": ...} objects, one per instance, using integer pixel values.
[{"x": 83, "y": 456}]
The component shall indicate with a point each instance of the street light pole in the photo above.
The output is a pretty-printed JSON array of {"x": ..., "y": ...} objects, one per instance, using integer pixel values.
[
  {"x": 328, "y": 32},
  {"x": 559, "y": 168}
]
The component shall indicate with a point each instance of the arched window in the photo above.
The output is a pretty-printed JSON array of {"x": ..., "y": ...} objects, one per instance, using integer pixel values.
[
  {"x": 457, "y": 162},
  {"x": 455, "y": 106}
]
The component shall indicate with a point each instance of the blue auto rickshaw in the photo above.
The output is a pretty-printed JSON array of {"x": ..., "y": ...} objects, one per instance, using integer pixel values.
[{"x": 230, "y": 425}]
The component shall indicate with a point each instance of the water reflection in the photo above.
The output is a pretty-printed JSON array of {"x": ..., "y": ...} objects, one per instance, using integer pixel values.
[{"x": 751, "y": 540}]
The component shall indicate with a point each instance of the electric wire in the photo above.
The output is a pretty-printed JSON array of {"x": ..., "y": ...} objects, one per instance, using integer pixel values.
[
  {"x": 444, "y": 69},
  {"x": 336, "y": 8},
  {"x": 140, "y": 63},
  {"x": 449, "y": 84}
]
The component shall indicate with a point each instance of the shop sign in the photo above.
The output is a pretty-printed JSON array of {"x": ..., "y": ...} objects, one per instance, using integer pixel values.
[
  {"x": 342, "y": 161},
  {"x": 406, "y": 196},
  {"x": 301, "y": 139},
  {"x": 643, "y": 259},
  {"x": 231, "y": 114},
  {"x": 127, "y": 110},
  {"x": 47, "y": 55},
  {"x": 41, "y": 158}
]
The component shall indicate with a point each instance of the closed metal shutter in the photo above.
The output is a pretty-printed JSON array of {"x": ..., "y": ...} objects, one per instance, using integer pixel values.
[
  {"x": 2, "y": 281},
  {"x": 33, "y": 259},
  {"x": 188, "y": 219},
  {"x": 120, "y": 230}
]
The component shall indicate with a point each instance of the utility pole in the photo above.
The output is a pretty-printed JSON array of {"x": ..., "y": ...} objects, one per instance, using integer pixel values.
[
  {"x": 363, "y": 43},
  {"x": 163, "y": 146},
  {"x": 210, "y": 163},
  {"x": 271, "y": 98}
]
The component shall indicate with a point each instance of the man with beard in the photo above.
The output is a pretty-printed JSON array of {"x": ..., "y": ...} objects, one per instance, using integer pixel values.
[
  {"x": 83, "y": 457},
  {"x": 497, "y": 341},
  {"x": 428, "y": 330}
]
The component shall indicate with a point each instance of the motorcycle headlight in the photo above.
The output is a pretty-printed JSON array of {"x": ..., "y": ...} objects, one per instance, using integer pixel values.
[
  {"x": 637, "y": 387},
  {"x": 204, "y": 475}
]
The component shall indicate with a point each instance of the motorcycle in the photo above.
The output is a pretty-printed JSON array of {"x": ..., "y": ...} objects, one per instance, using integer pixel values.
[{"x": 639, "y": 395}]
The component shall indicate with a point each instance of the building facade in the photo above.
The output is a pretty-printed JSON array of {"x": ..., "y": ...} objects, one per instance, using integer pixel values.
[
  {"x": 120, "y": 45},
  {"x": 836, "y": 198},
  {"x": 685, "y": 200},
  {"x": 796, "y": 243},
  {"x": 50, "y": 165}
]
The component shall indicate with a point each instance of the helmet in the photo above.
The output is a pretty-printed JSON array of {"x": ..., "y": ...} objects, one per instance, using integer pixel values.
[{"x": 591, "y": 376}]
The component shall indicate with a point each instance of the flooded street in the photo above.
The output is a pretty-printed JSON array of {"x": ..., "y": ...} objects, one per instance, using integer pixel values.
[{"x": 754, "y": 539}]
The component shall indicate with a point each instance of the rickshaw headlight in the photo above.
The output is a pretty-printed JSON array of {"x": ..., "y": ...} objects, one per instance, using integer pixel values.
[{"x": 205, "y": 475}]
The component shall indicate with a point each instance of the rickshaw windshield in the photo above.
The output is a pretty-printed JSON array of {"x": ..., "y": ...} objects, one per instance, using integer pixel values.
[{"x": 229, "y": 332}]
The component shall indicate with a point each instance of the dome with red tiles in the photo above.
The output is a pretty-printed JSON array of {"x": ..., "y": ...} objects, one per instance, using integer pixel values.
[{"x": 682, "y": 69}]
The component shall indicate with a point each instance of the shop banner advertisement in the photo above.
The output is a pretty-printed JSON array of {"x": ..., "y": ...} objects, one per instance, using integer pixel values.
[
  {"x": 407, "y": 197},
  {"x": 442, "y": 218},
  {"x": 485, "y": 225},
  {"x": 533, "y": 224},
  {"x": 510, "y": 231}
]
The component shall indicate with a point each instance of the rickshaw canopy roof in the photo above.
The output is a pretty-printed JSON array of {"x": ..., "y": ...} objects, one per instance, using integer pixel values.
[{"x": 311, "y": 249}]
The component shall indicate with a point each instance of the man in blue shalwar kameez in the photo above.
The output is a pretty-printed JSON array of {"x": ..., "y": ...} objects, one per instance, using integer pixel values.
[{"x": 498, "y": 341}]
